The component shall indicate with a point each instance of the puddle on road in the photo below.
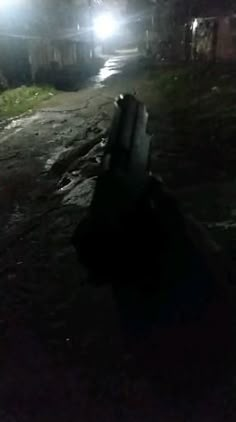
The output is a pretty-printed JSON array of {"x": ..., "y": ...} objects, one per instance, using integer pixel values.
[
  {"x": 54, "y": 157},
  {"x": 112, "y": 67},
  {"x": 16, "y": 125},
  {"x": 103, "y": 75},
  {"x": 21, "y": 122}
]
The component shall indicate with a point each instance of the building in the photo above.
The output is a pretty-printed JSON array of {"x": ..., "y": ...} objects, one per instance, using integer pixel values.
[
  {"x": 211, "y": 34},
  {"x": 38, "y": 39}
]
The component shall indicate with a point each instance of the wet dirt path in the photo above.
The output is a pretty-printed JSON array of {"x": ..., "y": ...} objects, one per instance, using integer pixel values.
[{"x": 29, "y": 145}]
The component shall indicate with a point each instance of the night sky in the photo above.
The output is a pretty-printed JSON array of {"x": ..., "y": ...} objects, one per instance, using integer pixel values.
[{"x": 213, "y": 6}]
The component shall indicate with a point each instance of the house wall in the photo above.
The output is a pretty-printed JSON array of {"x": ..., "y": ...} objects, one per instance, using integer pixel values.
[
  {"x": 41, "y": 56},
  {"x": 214, "y": 38},
  {"x": 226, "y": 46},
  {"x": 204, "y": 39},
  {"x": 22, "y": 60},
  {"x": 14, "y": 60}
]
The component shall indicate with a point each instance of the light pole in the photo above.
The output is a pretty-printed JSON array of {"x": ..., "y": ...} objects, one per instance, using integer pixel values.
[{"x": 90, "y": 5}]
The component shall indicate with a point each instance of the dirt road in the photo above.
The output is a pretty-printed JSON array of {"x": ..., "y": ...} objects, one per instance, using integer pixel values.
[{"x": 62, "y": 355}]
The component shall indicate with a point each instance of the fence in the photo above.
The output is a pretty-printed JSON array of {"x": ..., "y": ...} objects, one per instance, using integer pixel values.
[{"x": 28, "y": 59}]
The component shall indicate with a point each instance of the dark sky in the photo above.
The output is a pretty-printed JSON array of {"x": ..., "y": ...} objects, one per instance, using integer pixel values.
[
  {"x": 205, "y": 6},
  {"x": 198, "y": 6}
]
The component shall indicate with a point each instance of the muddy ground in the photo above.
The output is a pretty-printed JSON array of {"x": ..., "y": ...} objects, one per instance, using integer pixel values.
[{"x": 62, "y": 353}]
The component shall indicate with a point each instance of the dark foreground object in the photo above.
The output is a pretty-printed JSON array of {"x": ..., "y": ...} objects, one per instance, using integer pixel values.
[
  {"x": 137, "y": 238},
  {"x": 169, "y": 280}
]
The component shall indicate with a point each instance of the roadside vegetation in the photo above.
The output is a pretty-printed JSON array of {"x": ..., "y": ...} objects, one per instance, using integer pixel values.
[
  {"x": 14, "y": 102},
  {"x": 193, "y": 119},
  {"x": 199, "y": 100}
]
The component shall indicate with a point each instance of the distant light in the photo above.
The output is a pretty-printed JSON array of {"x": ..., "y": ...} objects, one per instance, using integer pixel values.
[
  {"x": 195, "y": 25},
  {"x": 6, "y": 4},
  {"x": 10, "y": 4},
  {"x": 105, "y": 26},
  {"x": 78, "y": 27}
]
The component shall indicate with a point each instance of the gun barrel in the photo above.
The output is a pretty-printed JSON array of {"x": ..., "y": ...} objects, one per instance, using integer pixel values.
[
  {"x": 125, "y": 163},
  {"x": 129, "y": 144}
]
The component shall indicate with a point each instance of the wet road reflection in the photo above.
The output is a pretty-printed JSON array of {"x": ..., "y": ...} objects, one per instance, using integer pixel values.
[{"x": 113, "y": 66}]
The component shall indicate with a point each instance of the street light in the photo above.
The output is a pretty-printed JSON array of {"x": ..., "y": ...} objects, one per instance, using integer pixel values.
[
  {"x": 6, "y": 4},
  {"x": 11, "y": 5},
  {"x": 195, "y": 25},
  {"x": 105, "y": 26}
]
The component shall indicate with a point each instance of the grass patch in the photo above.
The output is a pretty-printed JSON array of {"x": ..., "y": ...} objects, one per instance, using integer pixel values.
[
  {"x": 16, "y": 101},
  {"x": 196, "y": 102},
  {"x": 181, "y": 87}
]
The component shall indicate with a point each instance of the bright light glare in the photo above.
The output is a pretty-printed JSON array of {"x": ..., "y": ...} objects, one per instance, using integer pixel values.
[
  {"x": 9, "y": 4},
  {"x": 3, "y": 4},
  {"x": 105, "y": 26},
  {"x": 195, "y": 25}
]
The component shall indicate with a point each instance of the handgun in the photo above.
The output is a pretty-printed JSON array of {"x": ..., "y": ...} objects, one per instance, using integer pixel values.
[
  {"x": 125, "y": 165},
  {"x": 129, "y": 207},
  {"x": 123, "y": 178}
]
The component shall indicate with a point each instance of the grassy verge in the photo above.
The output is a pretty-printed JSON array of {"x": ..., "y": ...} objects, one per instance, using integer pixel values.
[
  {"x": 193, "y": 119},
  {"x": 199, "y": 101},
  {"x": 16, "y": 101}
]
